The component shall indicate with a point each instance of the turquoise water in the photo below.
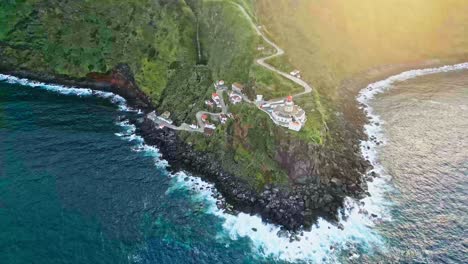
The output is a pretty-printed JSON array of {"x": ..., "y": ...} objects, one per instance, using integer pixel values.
[
  {"x": 78, "y": 186},
  {"x": 71, "y": 191}
]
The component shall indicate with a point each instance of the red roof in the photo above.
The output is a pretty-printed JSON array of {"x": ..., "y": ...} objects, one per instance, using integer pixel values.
[
  {"x": 290, "y": 98},
  {"x": 204, "y": 116},
  {"x": 215, "y": 94}
]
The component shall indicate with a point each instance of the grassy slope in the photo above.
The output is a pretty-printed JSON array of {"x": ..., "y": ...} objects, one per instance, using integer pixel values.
[
  {"x": 333, "y": 40},
  {"x": 157, "y": 40},
  {"x": 244, "y": 146},
  {"x": 248, "y": 144},
  {"x": 77, "y": 37}
]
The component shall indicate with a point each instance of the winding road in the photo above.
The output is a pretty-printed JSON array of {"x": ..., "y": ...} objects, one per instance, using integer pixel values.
[
  {"x": 279, "y": 52},
  {"x": 261, "y": 62}
]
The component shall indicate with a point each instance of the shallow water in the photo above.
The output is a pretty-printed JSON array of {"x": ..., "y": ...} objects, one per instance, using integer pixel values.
[
  {"x": 425, "y": 123},
  {"x": 78, "y": 186}
]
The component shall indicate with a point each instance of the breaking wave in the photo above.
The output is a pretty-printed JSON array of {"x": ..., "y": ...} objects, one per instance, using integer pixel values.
[
  {"x": 65, "y": 90},
  {"x": 325, "y": 242},
  {"x": 376, "y": 139}
]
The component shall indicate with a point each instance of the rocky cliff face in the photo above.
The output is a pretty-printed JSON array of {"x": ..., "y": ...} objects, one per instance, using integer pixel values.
[
  {"x": 314, "y": 191},
  {"x": 321, "y": 183},
  {"x": 320, "y": 177}
]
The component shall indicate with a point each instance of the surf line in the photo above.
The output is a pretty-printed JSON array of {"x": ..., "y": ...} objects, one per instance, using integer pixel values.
[
  {"x": 380, "y": 186},
  {"x": 319, "y": 243}
]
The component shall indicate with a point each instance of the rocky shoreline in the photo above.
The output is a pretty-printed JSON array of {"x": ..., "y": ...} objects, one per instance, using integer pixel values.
[{"x": 335, "y": 174}]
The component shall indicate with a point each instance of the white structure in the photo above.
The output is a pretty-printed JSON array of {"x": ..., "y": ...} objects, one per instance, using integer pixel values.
[
  {"x": 235, "y": 98},
  {"x": 296, "y": 73},
  {"x": 259, "y": 98},
  {"x": 215, "y": 96},
  {"x": 210, "y": 126},
  {"x": 223, "y": 118},
  {"x": 216, "y": 99},
  {"x": 220, "y": 85},
  {"x": 296, "y": 126},
  {"x": 165, "y": 120},
  {"x": 288, "y": 114}
]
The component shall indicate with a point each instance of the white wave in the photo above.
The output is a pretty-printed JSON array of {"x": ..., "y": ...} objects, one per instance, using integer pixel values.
[
  {"x": 366, "y": 94},
  {"x": 140, "y": 146},
  {"x": 324, "y": 242},
  {"x": 66, "y": 90},
  {"x": 381, "y": 186},
  {"x": 374, "y": 129},
  {"x": 321, "y": 244}
]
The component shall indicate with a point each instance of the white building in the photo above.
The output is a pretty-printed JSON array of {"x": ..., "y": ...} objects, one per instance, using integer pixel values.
[
  {"x": 288, "y": 114},
  {"x": 216, "y": 99},
  {"x": 223, "y": 119},
  {"x": 235, "y": 98},
  {"x": 296, "y": 126},
  {"x": 210, "y": 126},
  {"x": 215, "y": 96},
  {"x": 259, "y": 98}
]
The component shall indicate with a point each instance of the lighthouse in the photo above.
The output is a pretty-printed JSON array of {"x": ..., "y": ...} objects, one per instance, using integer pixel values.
[{"x": 289, "y": 104}]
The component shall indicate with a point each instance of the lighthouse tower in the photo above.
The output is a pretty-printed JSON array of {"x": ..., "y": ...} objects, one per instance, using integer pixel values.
[{"x": 289, "y": 104}]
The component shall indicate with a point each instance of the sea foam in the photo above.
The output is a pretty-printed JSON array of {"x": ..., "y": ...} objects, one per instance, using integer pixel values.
[
  {"x": 66, "y": 90},
  {"x": 324, "y": 242},
  {"x": 317, "y": 245},
  {"x": 374, "y": 129}
]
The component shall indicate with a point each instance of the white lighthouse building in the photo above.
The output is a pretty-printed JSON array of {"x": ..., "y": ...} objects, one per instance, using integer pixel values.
[{"x": 288, "y": 114}]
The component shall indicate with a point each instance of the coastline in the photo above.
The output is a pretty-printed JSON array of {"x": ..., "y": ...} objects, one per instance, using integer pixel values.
[
  {"x": 354, "y": 223},
  {"x": 351, "y": 87},
  {"x": 287, "y": 209},
  {"x": 276, "y": 205}
]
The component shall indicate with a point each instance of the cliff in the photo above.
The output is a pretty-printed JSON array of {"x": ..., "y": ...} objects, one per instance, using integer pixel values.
[{"x": 165, "y": 55}]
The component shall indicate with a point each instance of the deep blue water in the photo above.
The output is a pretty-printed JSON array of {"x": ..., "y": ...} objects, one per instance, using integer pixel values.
[
  {"x": 78, "y": 186},
  {"x": 71, "y": 191}
]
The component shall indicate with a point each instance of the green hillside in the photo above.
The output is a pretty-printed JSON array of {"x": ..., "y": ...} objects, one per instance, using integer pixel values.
[
  {"x": 158, "y": 40},
  {"x": 334, "y": 40}
]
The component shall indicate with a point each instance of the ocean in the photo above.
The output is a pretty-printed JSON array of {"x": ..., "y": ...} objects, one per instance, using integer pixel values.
[{"x": 77, "y": 185}]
